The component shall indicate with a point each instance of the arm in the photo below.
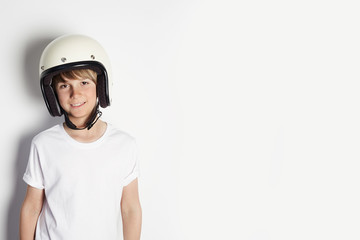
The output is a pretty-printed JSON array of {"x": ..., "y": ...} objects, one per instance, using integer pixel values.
[
  {"x": 30, "y": 212},
  {"x": 131, "y": 211}
]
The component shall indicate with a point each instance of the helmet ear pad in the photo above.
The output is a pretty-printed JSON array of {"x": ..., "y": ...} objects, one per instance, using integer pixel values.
[
  {"x": 102, "y": 91},
  {"x": 51, "y": 101},
  {"x": 49, "y": 96}
]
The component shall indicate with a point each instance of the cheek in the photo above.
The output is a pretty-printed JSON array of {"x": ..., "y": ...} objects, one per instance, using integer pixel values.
[
  {"x": 92, "y": 94},
  {"x": 61, "y": 97}
]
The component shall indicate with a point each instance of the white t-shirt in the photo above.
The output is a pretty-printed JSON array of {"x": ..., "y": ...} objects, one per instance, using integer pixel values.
[{"x": 83, "y": 183}]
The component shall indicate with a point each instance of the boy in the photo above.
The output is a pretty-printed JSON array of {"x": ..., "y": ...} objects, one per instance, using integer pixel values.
[{"x": 81, "y": 175}]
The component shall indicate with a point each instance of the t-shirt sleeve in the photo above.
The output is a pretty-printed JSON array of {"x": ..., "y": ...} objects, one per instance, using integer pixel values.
[
  {"x": 133, "y": 167},
  {"x": 33, "y": 175}
]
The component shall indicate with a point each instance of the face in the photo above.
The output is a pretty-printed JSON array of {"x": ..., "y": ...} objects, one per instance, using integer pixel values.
[{"x": 78, "y": 98}]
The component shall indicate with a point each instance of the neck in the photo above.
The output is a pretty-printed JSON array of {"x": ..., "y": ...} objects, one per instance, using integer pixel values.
[{"x": 86, "y": 135}]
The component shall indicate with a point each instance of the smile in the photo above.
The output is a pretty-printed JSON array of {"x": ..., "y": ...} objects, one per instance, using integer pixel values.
[{"x": 77, "y": 104}]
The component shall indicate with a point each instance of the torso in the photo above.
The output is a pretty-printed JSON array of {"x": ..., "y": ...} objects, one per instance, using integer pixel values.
[{"x": 83, "y": 182}]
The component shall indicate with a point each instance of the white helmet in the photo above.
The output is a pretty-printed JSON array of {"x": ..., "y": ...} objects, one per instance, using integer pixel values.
[{"x": 71, "y": 52}]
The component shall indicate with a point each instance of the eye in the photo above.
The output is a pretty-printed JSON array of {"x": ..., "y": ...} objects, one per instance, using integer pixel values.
[
  {"x": 62, "y": 86},
  {"x": 84, "y": 82}
]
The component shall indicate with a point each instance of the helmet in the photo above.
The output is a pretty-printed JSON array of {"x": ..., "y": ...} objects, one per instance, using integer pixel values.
[{"x": 69, "y": 52}]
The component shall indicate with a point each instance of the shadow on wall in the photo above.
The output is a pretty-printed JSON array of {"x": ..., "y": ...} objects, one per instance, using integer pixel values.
[{"x": 31, "y": 78}]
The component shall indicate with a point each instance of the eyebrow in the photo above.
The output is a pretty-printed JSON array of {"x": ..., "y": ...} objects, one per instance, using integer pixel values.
[{"x": 66, "y": 81}]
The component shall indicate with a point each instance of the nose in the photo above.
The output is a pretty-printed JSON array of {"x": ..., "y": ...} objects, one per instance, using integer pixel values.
[{"x": 75, "y": 92}]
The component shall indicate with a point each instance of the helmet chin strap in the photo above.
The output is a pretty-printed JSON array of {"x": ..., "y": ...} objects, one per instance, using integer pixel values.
[{"x": 96, "y": 114}]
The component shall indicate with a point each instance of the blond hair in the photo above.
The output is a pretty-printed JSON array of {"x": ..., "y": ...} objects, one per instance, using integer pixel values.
[{"x": 75, "y": 74}]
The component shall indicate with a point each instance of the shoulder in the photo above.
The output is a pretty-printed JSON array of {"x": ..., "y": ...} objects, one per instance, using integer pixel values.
[
  {"x": 48, "y": 135},
  {"x": 118, "y": 134}
]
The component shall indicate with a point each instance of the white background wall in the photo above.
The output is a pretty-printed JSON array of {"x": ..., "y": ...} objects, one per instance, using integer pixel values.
[{"x": 246, "y": 112}]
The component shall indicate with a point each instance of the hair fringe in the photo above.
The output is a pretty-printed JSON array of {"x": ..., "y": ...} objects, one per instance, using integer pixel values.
[{"x": 75, "y": 74}]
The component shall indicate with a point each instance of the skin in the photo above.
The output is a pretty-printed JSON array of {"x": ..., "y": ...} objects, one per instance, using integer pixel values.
[
  {"x": 78, "y": 98},
  {"x": 30, "y": 212},
  {"x": 131, "y": 211}
]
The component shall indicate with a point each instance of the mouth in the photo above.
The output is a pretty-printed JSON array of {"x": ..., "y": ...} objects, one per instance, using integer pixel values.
[{"x": 77, "y": 105}]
